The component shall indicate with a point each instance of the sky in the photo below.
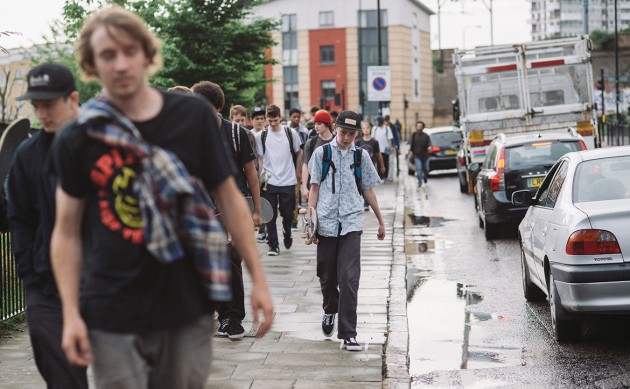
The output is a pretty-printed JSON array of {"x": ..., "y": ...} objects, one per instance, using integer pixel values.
[{"x": 463, "y": 22}]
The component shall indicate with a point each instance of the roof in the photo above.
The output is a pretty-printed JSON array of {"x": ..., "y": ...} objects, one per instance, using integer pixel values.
[
  {"x": 604, "y": 152},
  {"x": 535, "y": 135},
  {"x": 423, "y": 7}
]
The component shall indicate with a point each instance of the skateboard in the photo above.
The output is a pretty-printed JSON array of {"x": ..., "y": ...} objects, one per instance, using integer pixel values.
[
  {"x": 266, "y": 212},
  {"x": 11, "y": 138}
]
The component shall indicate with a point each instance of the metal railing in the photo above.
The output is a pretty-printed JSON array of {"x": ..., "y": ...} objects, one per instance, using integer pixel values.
[
  {"x": 11, "y": 293},
  {"x": 616, "y": 133}
]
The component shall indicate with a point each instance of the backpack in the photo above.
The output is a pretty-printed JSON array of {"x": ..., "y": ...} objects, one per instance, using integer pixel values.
[
  {"x": 263, "y": 138},
  {"x": 327, "y": 163}
]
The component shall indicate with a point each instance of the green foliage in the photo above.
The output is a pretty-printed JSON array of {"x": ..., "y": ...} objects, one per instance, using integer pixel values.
[
  {"x": 202, "y": 40},
  {"x": 601, "y": 39}
]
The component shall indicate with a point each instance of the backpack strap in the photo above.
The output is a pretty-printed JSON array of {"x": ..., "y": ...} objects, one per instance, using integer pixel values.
[
  {"x": 236, "y": 138},
  {"x": 263, "y": 138},
  {"x": 327, "y": 163},
  {"x": 358, "y": 154},
  {"x": 287, "y": 132}
]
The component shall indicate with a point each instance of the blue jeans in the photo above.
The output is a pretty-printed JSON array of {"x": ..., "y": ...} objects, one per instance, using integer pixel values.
[{"x": 422, "y": 169}]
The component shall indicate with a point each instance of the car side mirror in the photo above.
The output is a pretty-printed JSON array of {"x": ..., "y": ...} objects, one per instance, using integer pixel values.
[
  {"x": 474, "y": 167},
  {"x": 522, "y": 197}
]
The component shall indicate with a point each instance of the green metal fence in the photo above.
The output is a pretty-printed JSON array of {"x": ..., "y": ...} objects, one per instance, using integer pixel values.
[{"x": 12, "y": 293}]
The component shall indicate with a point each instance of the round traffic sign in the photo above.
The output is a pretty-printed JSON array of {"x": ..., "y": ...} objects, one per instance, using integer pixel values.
[{"x": 379, "y": 83}]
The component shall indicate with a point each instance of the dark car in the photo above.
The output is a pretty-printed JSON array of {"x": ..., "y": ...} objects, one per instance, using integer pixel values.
[
  {"x": 516, "y": 163},
  {"x": 445, "y": 143}
]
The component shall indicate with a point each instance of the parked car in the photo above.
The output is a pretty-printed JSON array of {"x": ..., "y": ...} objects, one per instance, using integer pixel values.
[
  {"x": 446, "y": 142},
  {"x": 575, "y": 240},
  {"x": 514, "y": 163}
]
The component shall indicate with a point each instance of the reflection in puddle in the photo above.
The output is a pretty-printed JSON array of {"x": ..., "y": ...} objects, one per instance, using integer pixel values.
[
  {"x": 443, "y": 334},
  {"x": 426, "y": 221}
]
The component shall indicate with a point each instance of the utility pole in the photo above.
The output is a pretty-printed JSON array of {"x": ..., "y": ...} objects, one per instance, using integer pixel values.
[
  {"x": 585, "y": 18},
  {"x": 489, "y": 7},
  {"x": 378, "y": 35}
]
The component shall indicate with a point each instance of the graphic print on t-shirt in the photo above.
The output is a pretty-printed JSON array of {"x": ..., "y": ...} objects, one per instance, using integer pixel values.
[{"x": 114, "y": 175}]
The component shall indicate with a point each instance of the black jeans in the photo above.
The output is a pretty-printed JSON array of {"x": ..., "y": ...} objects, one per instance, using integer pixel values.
[
  {"x": 386, "y": 163},
  {"x": 339, "y": 272},
  {"x": 282, "y": 198},
  {"x": 43, "y": 315},
  {"x": 234, "y": 309}
]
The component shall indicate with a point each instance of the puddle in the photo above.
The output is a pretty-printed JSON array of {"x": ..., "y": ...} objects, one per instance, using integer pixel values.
[
  {"x": 421, "y": 243},
  {"x": 445, "y": 330},
  {"x": 426, "y": 221}
]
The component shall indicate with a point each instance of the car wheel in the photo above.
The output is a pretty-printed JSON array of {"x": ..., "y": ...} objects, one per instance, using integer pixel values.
[
  {"x": 530, "y": 290},
  {"x": 564, "y": 329},
  {"x": 491, "y": 230}
]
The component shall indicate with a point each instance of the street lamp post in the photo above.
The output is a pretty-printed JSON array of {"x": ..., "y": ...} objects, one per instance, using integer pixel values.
[
  {"x": 488, "y": 5},
  {"x": 440, "y": 3}
]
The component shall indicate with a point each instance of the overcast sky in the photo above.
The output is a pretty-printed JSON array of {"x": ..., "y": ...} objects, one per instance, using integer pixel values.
[{"x": 463, "y": 22}]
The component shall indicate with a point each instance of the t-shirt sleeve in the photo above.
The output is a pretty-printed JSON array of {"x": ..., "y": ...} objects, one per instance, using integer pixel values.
[
  {"x": 390, "y": 136},
  {"x": 216, "y": 166},
  {"x": 315, "y": 165},
  {"x": 375, "y": 147},
  {"x": 259, "y": 145},
  {"x": 369, "y": 176},
  {"x": 67, "y": 161},
  {"x": 308, "y": 148},
  {"x": 247, "y": 153},
  {"x": 297, "y": 141}
]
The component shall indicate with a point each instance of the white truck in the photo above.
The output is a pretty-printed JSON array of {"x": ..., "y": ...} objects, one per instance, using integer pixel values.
[{"x": 538, "y": 86}]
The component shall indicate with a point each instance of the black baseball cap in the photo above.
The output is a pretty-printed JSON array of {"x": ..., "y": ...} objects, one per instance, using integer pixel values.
[
  {"x": 49, "y": 81},
  {"x": 349, "y": 119},
  {"x": 257, "y": 111}
]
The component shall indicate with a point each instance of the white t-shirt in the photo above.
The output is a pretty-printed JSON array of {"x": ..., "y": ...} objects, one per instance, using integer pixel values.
[
  {"x": 277, "y": 158},
  {"x": 382, "y": 135}
]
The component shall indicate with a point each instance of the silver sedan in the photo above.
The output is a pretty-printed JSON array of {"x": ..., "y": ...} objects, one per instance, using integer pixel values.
[{"x": 575, "y": 238}]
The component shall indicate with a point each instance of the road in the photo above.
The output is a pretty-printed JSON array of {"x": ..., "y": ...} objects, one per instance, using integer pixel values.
[{"x": 469, "y": 323}]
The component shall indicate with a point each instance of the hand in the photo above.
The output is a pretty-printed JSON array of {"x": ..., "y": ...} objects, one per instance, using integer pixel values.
[
  {"x": 261, "y": 300},
  {"x": 256, "y": 219},
  {"x": 382, "y": 170},
  {"x": 304, "y": 193},
  {"x": 380, "y": 235},
  {"x": 75, "y": 342}
]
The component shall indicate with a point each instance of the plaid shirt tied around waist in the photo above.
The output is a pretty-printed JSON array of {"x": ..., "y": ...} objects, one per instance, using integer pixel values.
[{"x": 178, "y": 214}]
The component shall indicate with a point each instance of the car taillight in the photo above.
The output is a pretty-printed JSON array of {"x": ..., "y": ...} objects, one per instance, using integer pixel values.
[
  {"x": 497, "y": 182},
  {"x": 582, "y": 145},
  {"x": 462, "y": 161},
  {"x": 592, "y": 242},
  {"x": 435, "y": 149}
]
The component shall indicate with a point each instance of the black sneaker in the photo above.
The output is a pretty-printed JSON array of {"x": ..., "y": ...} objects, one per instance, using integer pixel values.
[
  {"x": 261, "y": 237},
  {"x": 288, "y": 239},
  {"x": 328, "y": 324},
  {"x": 235, "y": 329},
  {"x": 223, "y": 328},
  {"x": 351, "y": 344},
  {"x": 274, "y": 252}
]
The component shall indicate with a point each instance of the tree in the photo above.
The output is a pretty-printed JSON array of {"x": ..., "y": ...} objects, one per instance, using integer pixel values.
[
  {"x": 7, "y": 33},
  {"x": 8, "y": 111},
  {"x": 202, "y": 40}
]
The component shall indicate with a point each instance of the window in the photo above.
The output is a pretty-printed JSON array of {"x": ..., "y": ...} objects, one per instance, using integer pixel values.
[
  {"x": 326, "y": 55},
  {"x": 289, "y": 23},
  {"x": 328, "y": 90},
  {"x": 549, "y": 195},
  {"x": 290, "y": 60},
  {"x": 326, "y": 19}
]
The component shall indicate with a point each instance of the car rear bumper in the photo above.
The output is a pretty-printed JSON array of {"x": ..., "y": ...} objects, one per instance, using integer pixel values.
[
  {"x": 442, "y": 163},
  {"x": 593, "y": 288},
  {"x": 499, "y": 210}
]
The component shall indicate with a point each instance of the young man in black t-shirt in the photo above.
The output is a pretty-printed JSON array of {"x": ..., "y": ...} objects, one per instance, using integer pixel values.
[
  {"x": 232, "y": 313},
  {"x": 140, "y": 321}
]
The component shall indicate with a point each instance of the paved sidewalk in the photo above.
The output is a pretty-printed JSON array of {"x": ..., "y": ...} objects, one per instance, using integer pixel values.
[{"x": 295, "y": 354}]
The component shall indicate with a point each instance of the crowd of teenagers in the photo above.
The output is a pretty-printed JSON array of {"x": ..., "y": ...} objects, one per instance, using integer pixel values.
[{"x": 131, "y": 215}]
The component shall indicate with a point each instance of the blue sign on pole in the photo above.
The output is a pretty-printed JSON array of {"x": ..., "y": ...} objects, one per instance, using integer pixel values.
[{"x": 379, "y": 83}]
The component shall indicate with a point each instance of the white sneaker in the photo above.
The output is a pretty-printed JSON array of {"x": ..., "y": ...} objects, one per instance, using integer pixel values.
[{"x": 351, "y": 344}]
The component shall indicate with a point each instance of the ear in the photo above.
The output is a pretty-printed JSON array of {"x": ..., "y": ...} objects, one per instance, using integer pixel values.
[{"x": 74, "y": 96}]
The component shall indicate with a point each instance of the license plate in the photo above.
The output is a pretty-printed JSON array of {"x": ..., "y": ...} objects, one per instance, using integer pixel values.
[
  {"x": 535, "y": 182},
  {"x": 450, "y": 152}
]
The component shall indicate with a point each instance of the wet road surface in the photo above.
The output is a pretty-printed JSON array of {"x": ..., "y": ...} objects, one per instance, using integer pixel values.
[{"x": 469, "y": 324}]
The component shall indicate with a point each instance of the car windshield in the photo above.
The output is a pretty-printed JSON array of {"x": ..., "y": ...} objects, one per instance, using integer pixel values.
[
  {"x": 537, "y": 153},
  {"x": 602, "y": 179},
  {"x": 446, "y": 139}
]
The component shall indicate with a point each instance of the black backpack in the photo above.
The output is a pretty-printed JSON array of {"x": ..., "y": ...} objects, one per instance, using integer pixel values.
[{"x": 328, "y": 163}]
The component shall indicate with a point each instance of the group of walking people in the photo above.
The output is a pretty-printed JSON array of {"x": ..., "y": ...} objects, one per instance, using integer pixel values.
[{"x": 129, "y": 220}]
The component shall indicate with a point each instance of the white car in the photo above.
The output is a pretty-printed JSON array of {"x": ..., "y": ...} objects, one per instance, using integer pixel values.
[{"x": 575, "y": 238}]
